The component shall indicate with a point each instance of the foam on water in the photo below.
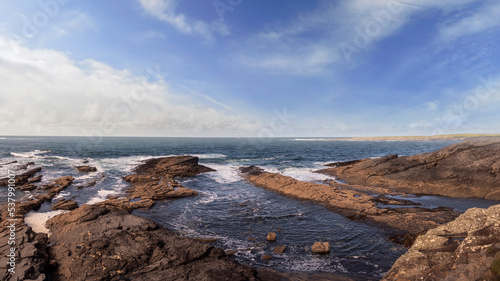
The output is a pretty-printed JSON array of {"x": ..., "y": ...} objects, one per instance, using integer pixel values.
[
  {"x": 224, "y": 173},
  {"x": 210, "y": 156},
  {"x": 62, "y": 194},
  {"x": 299, "y": 173},
  {"x": 37, "y": 220},
  {"x": 103, "y": 194},
  {"x": 30, "y": 154}
]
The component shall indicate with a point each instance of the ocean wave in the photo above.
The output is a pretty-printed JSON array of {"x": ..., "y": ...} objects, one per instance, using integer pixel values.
[
  {"x": 224, "y": 173},
  {"x": 210, "y": 156},
  {"x": 30, "y": 154},
  {"x": 37, "y": 220},
  {"x": 301, "y": 174}
]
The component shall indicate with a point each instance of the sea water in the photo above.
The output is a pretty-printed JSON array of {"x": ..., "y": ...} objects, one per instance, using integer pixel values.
[{"x": 227, "y": 208}]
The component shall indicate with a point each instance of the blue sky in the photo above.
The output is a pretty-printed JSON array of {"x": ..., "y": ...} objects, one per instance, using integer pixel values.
[{"x": 249, "y": 67}]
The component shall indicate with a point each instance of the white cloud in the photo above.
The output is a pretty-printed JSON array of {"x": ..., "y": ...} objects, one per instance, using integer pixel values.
[
  {"x": 342, "y": 30},
  {"x": 485, "y": 18},
  {"x": 164, "y": 10},
  {"x": 44, "y": 92}
]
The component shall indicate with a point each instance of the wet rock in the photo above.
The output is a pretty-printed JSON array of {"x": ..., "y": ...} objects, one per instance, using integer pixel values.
[
  {"x": 206, "y": 240},
  {"x": 271, "y": 236},
  {"x": 98, "y": 243},
  {"x": 35, "y": 179},
  {"x": 251, "y": 170},
  {"x": 266, "y": 257},
  {"x": 92, "y": 183},
  {"x": 155, "y": 179},
  {"x": 467, "y": 169},
  {"x": 26, "y": 187},
  {"x": 279, "y": 249},
  {"x": 64, "y": 204},
  {"x": 86, "y": 169},
  {"x": 321, "y": 248},
  {"x": 21, "y": 178},
  {"x": 230, "y": 252},
  {"x": 467, "y": 248}
]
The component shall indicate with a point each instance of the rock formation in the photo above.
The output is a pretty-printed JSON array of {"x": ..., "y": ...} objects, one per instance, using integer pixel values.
[
  {"x": 155, "y": 179},
  {"x": 86, "y": 169},
  {"x": 467, "y": 169},
  {"x": 402, "y": 224},
  {"x": 465, "y": 249}
]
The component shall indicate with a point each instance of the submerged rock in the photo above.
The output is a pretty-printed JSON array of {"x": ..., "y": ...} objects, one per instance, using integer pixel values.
[
  {"x": 467, "y": 248},
  {"x": 271, "y": 236}
]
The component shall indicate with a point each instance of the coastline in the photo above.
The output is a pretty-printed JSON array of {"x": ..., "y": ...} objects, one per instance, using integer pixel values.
[
  {"x": 155, "y": 180},
  {"x": 451, "y": 137}
]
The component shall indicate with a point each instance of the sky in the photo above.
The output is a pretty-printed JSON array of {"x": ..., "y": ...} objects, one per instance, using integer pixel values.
[{"x": 249, "y": 68}]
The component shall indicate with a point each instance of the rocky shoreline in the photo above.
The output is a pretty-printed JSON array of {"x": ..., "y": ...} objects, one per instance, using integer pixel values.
[{"x": 105, "y": 241}]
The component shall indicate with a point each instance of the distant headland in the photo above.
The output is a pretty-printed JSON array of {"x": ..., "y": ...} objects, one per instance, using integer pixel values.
[{"x": 451, "y": 137}]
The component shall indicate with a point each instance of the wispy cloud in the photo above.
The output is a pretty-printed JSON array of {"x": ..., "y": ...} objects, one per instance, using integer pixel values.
[
  {"x": 165, "y": 10},
  {"x": 45, "y": 92},
  {"x": 485, "y": 18},
  {"x": 342, "y": 30}
]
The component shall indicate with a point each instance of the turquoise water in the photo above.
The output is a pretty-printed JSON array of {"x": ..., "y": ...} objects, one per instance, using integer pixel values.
[{"x": 238, "y": 214}]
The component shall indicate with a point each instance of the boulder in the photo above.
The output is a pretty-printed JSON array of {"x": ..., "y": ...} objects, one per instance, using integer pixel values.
[
  {"x": 271, "y": 236},
  {"x": 321, "y": 248},
  {"x": 279, "y": 249}
]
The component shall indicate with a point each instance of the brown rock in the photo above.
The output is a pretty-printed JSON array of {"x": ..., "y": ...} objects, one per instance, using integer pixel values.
[
  {"x": 96, "y": 243},
  {"x": 86, "y": 169},
  {"x": 64, "y": 204},
  {"x": 467, "y": 169},
  {"x": 21, "y": 178},
  {"x": 230, "y": 252},
  {"x": 267, "y": 257},
  {"x": 321, "y": 248},
  {"x": 271, "y": 236},
  {"x": 279, "y": 249},
  {"x": 177, "y": 166},
  {"x": 467, "y": 248}
]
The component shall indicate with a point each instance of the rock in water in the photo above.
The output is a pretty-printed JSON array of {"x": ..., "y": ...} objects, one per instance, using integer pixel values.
[
  {"x": 101, "y": 243},
  {"x": 271, "y": 236},
  {"x": 467, "y": 248},
  {"x": 86, "y": 169},
  {"x": 321, "y": 248},
  {"x": 467, "y": 169},
  {"x": 279, "y": 249}
]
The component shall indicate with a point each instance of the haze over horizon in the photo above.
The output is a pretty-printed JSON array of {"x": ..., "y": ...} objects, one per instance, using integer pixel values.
[{"x": 244, "y": 68}]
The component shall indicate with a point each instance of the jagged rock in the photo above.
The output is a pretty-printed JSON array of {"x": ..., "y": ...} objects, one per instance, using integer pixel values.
[
  {"x": 21, "y": 178},
  {"x": 321, "y": 248},
  {"x": 64, "y": 204},
  {"x": 467, "y": 248},
  {"x": 155, "y": 179},
  {"x": 86, "y": 169},
  {"x": 357, "y": 205},
  {"x": 96, "y": 243},
  {"x": 230, "y": 252},
  {"x": 467, "y": 169}
]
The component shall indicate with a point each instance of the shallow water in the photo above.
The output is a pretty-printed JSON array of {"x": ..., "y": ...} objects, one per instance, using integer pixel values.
[{"x": 228, "y": 208}]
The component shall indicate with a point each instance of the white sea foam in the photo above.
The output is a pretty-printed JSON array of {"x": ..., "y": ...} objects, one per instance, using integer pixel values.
[
  {"x": 30, "y": 154},
  {"x": 224, "y": 173},
  {"x": 62, "y": 194},
  {"x": 37, "y": 220},
  {"x": 301, "y": 174},
  {"x": 102, "y": 194},
  {"x": 210, "y": 156}
]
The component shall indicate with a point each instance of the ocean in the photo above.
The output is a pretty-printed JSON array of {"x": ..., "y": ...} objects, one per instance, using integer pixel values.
[{"x": 227, "y": 208}]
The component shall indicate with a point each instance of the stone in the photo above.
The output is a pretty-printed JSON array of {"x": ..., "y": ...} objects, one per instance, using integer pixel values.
[
  {"x": 86, "y": 169},
  {"x": 279, "y": 249},
  {"x": 321, "y": 248},
  {"x": 230, "y": 252},
  {"x": 267, "y": 257},
  {"x": 271, "y": 236}
]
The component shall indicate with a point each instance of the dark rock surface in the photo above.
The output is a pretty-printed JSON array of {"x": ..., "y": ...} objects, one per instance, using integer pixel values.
[
  {"x": 467, "y": 169},
  {"x": 21, "y": 177},
  {"x": 467, "y": 248}
]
